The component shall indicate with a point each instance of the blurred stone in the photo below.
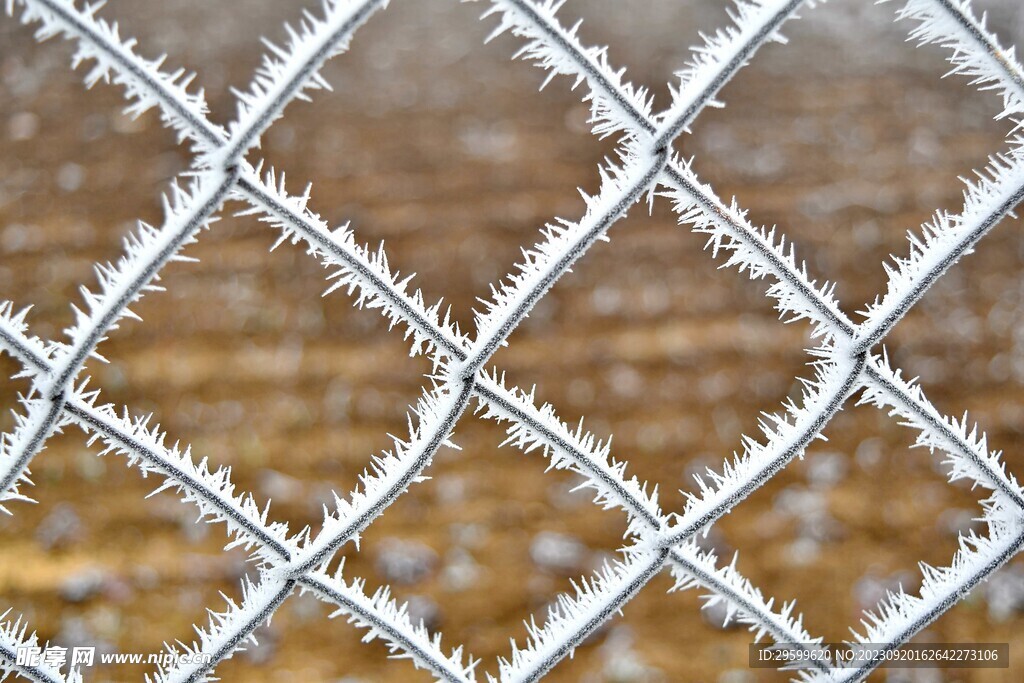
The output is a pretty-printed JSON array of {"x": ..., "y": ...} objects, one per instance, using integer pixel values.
[
  {"x": 736, "y": 676},
  {"x": 1004, "y": 593},
  {"x": 264, "y": 652},
  {"x": 713, "y": 541},
  {"x": 422, "y": 609},
  {"x": 625, "y": 381},
  {"x": 622, "y": 663},
  {"x": 568, "y": 495},
  {"x": 75, "y": 631},
  {"x": 193, "y": 530},
  {"x": 145, "y": 577},
  {"x": 802, "y": 552},
  {"x": 557, "y": 553},
  {"x": 870, "y": 589},
  {"x": 70, "y": 177},
  {"x": 306, "y": 607},
  {"x": 715, "y": 615},
  {"x": 405, "y": 562},
  {"x": 869, "y": 452},
  {"x": 461, "y": 571},
  {"x": 956, "y": 521},
  {"x": 62, "y": 526},
  {"x": 467, "y": 535},
  {"x": 280, "y": 487},
  {"x": 450, "y": 489},
  {"x": 18, "y": 237},
  {"x": 915, "y": 676},
  {"x": 826, "y": 469},
  {"x": 799, "y": 501},
  {"x": 81, "y": 586},
  {"x": 822, "y": 527},
  {"x": 22, "y": 126}
]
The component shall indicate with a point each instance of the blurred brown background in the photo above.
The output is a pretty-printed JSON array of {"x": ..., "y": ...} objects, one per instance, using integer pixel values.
[{"x": 445, "y": 150}]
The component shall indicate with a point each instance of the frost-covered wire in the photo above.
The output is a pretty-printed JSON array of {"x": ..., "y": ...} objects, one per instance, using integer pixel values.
[
  {"x": 146, "y": 253},
  {"x": 520, "y": 313},
  {"x": 975, "y": 51},
  {"x": 146, "y": 83},
  {"x": 564, "y": 244},
  {"x": 786, "y": 439},
  {"x": 389, "y": 476},
  {"x": 617, "y": 107},
  {"x": 14, "y": 635},
  {"x": 280, "y": 79},
  {"x": 247, "y": 525},
  {"x": 794, "y": 287},
  {"x": 969, "y": 456},
  {"x": 569, "y": 447},
  {"x": 288, "y": 73},
  {"x": 900, "y": 615},
  {"x": 17, "y": 448},
  {"x": 757, "y": 251},
  {"x": 230, "y": 630},
  {"x": 382, "y": 617},
  {"x": 555, "y": 49},
  {"x": 572, "y": 618},
  {"x": 998, "y": 189},
  {"x": 317, "y": 554},
  {"x": 381, "y": 293}
]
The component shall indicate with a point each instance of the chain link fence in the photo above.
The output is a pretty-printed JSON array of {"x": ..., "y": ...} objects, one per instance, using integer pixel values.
[{"x": 848, "y": 359}]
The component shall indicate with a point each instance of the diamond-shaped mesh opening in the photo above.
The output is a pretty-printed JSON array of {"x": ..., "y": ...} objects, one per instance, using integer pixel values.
[
  {"x": 70, "y": 185},
  {"x": 311, "y": 389},
  {"x": 657, "y": 347},
  {"x": 487, "y": 542},
  {"x": 845, "y": 166},
  {"x": 435, "y": 145},
  {"x": 851, "y": 520}
]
